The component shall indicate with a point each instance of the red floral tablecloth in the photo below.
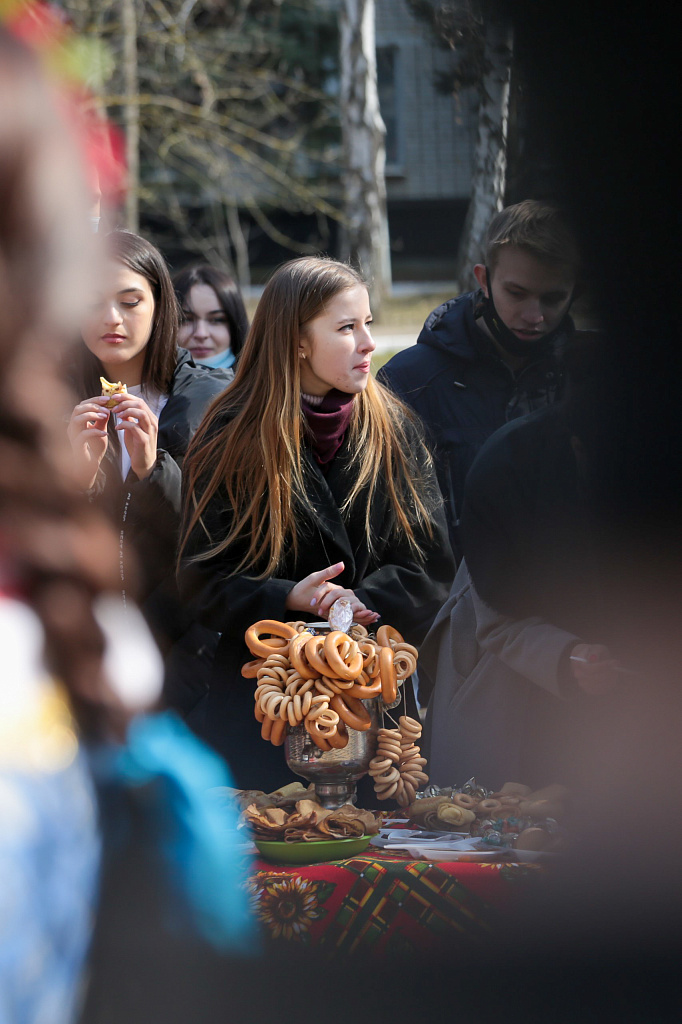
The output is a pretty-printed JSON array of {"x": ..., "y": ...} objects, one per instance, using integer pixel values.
[{"x": 385, "y": 903}]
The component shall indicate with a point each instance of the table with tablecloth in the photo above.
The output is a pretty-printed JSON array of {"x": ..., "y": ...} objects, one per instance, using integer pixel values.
[{"x": 384, "y": 902}]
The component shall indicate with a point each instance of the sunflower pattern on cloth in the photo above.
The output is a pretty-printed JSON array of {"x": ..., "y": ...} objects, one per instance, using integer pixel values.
[
  {"x": 385, "y": 904},
  {"x": 288, "y": 905}
]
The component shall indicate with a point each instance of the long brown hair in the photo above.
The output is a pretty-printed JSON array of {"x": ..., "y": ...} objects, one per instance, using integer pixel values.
[{"x": 249, "y": 445}]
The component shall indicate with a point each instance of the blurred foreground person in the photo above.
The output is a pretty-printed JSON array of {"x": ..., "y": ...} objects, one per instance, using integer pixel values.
[
  {"x": 517, "y": 655},
  {"x": 213, "y": 324},
  {"x": 104, "y": 820}
]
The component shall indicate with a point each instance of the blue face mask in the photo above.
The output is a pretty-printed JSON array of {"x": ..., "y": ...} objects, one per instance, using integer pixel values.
[{"x": 221, "y": 361}]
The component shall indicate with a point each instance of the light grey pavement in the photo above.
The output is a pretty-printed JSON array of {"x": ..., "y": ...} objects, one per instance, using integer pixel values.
[{"x": 392, "y": 341}]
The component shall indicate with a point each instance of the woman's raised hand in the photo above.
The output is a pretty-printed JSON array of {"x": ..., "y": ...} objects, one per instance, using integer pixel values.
[
  {"x": 140, "y": 429},
  {"x": 315, "y": 592},
  {"x": 87, "y": 432}
]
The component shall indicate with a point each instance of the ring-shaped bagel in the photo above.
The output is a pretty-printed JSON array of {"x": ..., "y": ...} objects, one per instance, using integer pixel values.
[
  {"x": 272, "y": 703},
  {"x": 272, "y": 672},
  {"x": 387, "y": 674},
  {"x": 316, "y": 735},
  {"x": 258, "y": 648},
  {"x": 387, "y": 633},
  {"x": 337, "y": 666},
  {"x": 263, "y": 692},
  {"x": 387, "y": 793},
  {"x": 410, "y": 791},
  {"x": 351, "y": 711},
  {"x": 296, "y": 655},
  {"x": 286, "y": 701},
  {"x": 410, "y": 726},
  {"x": 407, "y": 648},
  {"x": 313, "y": 653},
  {"x": 405, "y": 664},
  {"x": 278, "y": 733},
  {"x": 325, "y": 689},
  {"x": 340, "y": 685},
  {"x": 488, "y": 807},
  {"x": 250, "y": 668},
  {"x": 370, "y": 658},
  {"x": 276, "y": 644},
  {"x": 278, "y": 660},
  {"x": 328, "y": 718},
  {"x": 390, "y": 734},
  {"x": 292, "y": 717},
  {"x": 339, "y": 739},
  {"x": 299, "y": 686},
  {"x": 316, "y": 710},
  {"x": 364, "y": 692},
  {"x": 464, "y": 800}
]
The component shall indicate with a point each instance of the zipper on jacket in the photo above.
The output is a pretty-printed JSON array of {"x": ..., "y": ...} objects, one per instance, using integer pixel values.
[{"x": 121, "y": 560}]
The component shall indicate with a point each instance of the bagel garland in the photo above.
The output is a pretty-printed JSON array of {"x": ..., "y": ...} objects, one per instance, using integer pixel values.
[
  {"x": 398, "y": 768},
  {"x": 319, "y": 681}
]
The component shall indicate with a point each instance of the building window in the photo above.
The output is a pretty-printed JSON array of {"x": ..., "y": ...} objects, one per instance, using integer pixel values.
[{"x": 388, "y": 60}]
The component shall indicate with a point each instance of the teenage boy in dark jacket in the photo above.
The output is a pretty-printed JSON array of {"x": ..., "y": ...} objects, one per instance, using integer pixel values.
[{"x": 491, "y": 355}]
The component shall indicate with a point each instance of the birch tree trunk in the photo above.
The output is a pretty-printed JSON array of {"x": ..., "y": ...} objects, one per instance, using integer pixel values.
[
  {"x": 131, "y": 114},
  {"x": 363, "y": 134},
  {"x": 490, "y": 159},
  {"x": 241, "y": 248}
]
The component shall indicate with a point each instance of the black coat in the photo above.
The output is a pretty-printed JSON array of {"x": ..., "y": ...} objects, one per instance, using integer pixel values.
[
  {"x": 463, "y": 391},
  {"x": 146, "y": 514},
  {"x": 388, "y": 580}
]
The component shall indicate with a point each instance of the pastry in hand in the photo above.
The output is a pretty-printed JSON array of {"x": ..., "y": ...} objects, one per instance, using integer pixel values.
[{"x": 112, "y": 389}]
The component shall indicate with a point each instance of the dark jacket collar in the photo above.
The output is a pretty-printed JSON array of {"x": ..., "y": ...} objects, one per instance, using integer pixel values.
[{"x": 452, "y": 328}]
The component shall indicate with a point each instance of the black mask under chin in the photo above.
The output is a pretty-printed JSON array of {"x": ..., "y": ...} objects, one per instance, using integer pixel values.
[{"x": 507, "y": 339}]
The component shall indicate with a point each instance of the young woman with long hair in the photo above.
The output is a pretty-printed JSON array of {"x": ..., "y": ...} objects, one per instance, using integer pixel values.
[
  {"x": 129, "y": 457},
  {"x": 213, "y": 320},
  {"x": 306, "y": 482}
]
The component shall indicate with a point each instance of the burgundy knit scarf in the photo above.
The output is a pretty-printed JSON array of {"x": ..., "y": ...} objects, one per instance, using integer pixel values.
[{"x": 328, "y": 421}]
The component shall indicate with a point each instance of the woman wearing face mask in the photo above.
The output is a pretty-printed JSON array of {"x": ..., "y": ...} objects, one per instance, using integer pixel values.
[
  {"x": 306, "y": 482},
  {"x": 130, "y": 456},
  {"x": 213, "y": 322}
]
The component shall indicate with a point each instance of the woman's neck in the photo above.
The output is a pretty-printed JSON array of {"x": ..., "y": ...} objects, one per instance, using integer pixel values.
[{"x": 129, "y": 373}]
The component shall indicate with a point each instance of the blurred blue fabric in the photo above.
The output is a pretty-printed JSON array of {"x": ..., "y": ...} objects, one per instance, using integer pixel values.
[
  {"x": 197, "y": 837},
  {"x": 49, "y": 861}
]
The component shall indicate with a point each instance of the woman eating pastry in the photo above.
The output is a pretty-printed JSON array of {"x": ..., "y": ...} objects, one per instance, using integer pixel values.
[
  {"x": 305, "y": 483},
  {"x": 128, "y": 444}
]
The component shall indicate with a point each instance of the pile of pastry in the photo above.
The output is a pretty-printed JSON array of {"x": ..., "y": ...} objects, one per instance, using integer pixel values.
[
  {"x": 320, "y": 681},
  {"x": 513, "y": 816},
  {"x": 308, "y": 822}
]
